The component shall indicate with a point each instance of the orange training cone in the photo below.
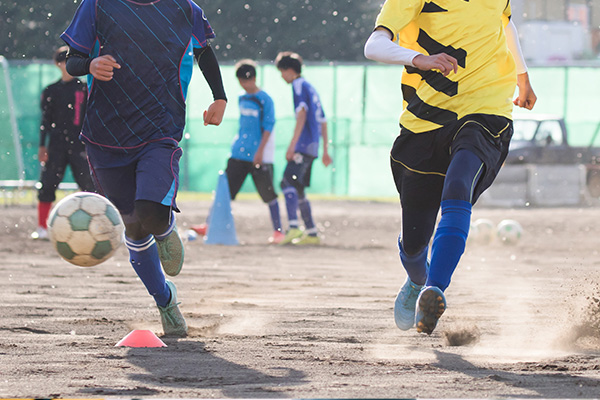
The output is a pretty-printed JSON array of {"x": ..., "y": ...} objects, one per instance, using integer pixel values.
[{"x": 141, "y": 338}]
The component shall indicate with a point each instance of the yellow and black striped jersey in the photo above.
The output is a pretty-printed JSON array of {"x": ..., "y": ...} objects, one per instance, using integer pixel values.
[{"x": 472, "y": 31}]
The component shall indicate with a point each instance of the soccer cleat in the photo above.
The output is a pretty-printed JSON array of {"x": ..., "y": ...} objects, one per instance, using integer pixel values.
[
  {"x": 171, "y": 318},
  {"x": 307, "y": 240},
  {"x": 277, "y": 237},
  {"x": 290, "y": 235},
  {"x": 170, "y": 252},
  {"x": 40, "y": 234},
  {"x": 431, "y": 304},
  {"x": 406, "y": 302}
]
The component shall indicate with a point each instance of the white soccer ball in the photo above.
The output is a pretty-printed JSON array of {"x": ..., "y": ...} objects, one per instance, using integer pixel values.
[
  {"x": 509, "y": 231},
  {"x": 484, "y": 230},
  {"x": 85, "y": 228},
  {"x": 472, "y": 233}
]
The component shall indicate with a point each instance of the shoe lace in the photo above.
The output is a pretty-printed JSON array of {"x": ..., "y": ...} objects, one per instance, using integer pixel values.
[
  {"x": 409, "y": 294},
  {"x": 166, "y": 312},
  {"x": 166, "y": 246}
]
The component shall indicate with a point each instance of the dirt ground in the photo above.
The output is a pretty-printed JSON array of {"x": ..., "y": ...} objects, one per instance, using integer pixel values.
[{"x": 286, "y": 322}]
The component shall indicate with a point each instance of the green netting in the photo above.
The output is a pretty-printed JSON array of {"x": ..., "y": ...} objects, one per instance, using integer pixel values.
[
  {"x": 9, "y": 156},
  {"x": 362, "y": 104},
  {"x": 28, "y": 81}
]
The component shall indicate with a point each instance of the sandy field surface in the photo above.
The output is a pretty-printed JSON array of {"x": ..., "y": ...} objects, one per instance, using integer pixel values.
[{"x": 314, "y": 322}]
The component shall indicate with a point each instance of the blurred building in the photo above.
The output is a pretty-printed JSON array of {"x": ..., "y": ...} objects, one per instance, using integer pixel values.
[{"x": 555, "y": 31}]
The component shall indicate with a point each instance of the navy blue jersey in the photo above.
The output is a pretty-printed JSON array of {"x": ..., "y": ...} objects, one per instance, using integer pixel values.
[
  {"x": 306, "y": 97},
  {"x": 153, "y": 42}
]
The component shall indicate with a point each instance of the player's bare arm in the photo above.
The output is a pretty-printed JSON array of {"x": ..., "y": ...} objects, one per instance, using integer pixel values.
[
  {"x": 300, "y": 121},
  {"x": 326, "y": 157},
  {"x": 102, "y": 67},
  {"x": 526, "y": 98},
  {"x": 42, "y": 154},
  {"x": 258, "y": 156}
]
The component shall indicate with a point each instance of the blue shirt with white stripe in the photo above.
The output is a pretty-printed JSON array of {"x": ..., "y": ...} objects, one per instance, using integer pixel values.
[
  {"x": 153, "y": 41},
  {"x": 257, "y": 114}
]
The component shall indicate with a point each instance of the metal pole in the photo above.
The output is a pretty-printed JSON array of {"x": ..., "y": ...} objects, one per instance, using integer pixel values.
[
  {"x": 13, "y": 120},
  {"x": 334, "y": 139},
  {"x": 566, "y": 94}
]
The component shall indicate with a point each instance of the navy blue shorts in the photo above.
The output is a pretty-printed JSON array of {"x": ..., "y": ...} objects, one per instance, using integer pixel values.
[
  {"x": 429, "y": 154},
  {"x": 297, "y": 173},
  {"x": 151, "y": 174}
]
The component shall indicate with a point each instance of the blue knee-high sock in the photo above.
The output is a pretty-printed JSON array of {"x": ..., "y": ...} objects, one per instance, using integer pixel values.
[
  {"x": 416, "y": 265},
  {"x": 275, "y": 216},
  {"x": 449, "y": 242},
  {"x": 306, "y": 212},
  {"x": 143, "y": 255},
  {"x": 291, "y": 204},
  {"x": 162, "y": 236}
]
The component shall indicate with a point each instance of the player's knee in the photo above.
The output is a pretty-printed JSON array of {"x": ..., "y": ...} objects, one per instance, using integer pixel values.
[
  {"x": 268, "y": 197},
  {"x": 46, "y": 196},
  {"x": 284, "y": 184},
  {"x": 290, "y": 181},
  {"x": 456, "y": 188},
  {"x": 154, "y": 217}
]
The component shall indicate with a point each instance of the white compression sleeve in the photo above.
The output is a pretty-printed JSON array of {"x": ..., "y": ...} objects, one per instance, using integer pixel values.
[
  {"x": 512, "y": 40},
  {"x": 379, "y": 47}
]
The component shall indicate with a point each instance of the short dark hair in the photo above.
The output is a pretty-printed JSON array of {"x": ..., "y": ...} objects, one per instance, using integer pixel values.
[
  {"x": 60, "y": 54},
  {"x": 245, "y": 69},
  {"x": 289, "y": 60}
]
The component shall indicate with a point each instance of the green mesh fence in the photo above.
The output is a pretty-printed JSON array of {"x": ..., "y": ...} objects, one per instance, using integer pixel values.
[
  {"x": 10, "y": 161},
  {"x": 362, "y": 104}
]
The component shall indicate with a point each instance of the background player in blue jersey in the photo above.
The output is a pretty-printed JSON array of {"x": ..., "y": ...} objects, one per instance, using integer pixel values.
[
  {"x": 63, "y": 110},
  {"x": 253, "y": 148},
  {"x": 140, "y": 56},
  {"x": 303, "y": 149}
]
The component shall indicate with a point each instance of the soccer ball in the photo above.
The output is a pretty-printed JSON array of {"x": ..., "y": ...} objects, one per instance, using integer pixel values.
[
  {"x": 509, "y": 231},
  {"x": 85, "y": 228},
  {"x": 483, "y": 230}
]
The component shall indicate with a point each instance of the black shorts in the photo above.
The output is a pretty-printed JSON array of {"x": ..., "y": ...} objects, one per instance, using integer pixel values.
[
  {"x": 52, "y": 173},
  {"x": 238, "y": 170},
  {"x": 430, "y": 153},
  {"x": 297, "y": 173}
]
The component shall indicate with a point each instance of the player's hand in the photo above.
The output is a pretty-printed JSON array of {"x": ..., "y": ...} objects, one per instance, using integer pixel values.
[
  {"x": 326, "y": 159},
  {"x": 42, "y": 154},
  {"x": 442, "y": 62},
  {"x": 526, "y": 98},
  {"x": 215, "y": 112},
  {"x": 289, "y": 154},
  {"x": 258, "y": 159},
  {"x": 102, "y": 67}
]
